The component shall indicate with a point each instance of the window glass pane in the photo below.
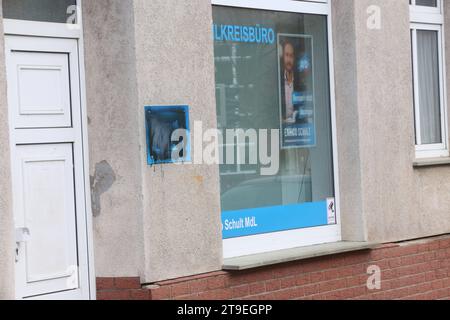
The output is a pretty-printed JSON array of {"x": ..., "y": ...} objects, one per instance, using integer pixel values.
[
  {"x": 272, "y": 72},
  {"x": 42, "y": 10},
  {"x": 426, "y": 3},
  {"x": 429, "y": 88}
]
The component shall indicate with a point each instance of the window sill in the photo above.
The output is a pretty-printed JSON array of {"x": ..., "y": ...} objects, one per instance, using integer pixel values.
[
  {"x": 431, "y": 162},
  {"x": 291, "y": 255}
]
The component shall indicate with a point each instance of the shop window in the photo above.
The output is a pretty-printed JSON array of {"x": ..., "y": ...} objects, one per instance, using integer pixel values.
[
  {"x": 273, "y": 75},
  {"x": 59, "y": 11},
  {"x": 429, "y": 80}
]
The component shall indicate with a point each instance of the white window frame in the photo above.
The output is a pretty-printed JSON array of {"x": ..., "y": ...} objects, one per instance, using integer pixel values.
[
  {"x": 424, "y": 14},
  {"x": 429, "y": 18},
  {"x": 243, "y": 246}
]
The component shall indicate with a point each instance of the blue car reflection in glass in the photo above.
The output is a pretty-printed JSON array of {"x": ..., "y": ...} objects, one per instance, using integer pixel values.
[{"x": 161, "y": 123}]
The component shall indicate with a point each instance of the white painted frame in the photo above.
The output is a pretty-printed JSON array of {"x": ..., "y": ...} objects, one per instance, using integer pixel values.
[
  {"x": 243, "y": 246},
  {"x": 424, "y": 14},
  {"x": 68, "y": 31},
  {"x": 432, "y": 19}
]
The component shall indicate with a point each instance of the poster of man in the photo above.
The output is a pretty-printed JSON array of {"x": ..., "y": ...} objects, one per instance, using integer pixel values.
[{"x": 296, "y": 75}]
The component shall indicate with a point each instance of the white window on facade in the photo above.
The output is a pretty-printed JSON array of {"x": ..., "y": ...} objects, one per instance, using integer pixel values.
[
  {"x": 274, "y": 74},
  {"x": 430, "y": 109}
]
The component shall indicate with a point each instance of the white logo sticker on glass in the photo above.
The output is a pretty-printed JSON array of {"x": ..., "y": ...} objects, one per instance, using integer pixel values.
[{"x": 331, "y": 211}]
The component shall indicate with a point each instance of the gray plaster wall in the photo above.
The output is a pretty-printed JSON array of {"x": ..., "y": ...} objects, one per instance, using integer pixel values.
[
  {"x": 114, "y": 141},
  {"x": 6, "y": 215},
  {"x": 397, "y": 202},
  {"x": 348, "y": 120},
  {"x": 157, "y": 222},
  {"x": 387, "y": 122},
  {"x": 163, "y": 222},
  {"x": 175, "y": 65}
]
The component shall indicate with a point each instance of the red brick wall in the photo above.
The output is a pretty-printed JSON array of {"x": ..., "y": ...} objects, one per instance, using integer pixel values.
[{"x": 411, "y": 270}]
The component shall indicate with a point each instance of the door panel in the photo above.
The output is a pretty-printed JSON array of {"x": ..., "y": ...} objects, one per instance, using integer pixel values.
[
  {"x": 48, "y": 174},
  {"x": 41, "y": 85},
  {"x": 46, "y": 207}
]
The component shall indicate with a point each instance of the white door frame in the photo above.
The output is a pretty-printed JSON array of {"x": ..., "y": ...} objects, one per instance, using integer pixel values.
[{"x": 68, "y": 31}]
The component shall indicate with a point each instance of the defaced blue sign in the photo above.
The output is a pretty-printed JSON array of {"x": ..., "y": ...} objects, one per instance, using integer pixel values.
[{"x": 168, "y": 137}]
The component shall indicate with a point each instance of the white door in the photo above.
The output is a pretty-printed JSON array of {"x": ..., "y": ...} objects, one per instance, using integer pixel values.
[{"x": 47, "y": 168}]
